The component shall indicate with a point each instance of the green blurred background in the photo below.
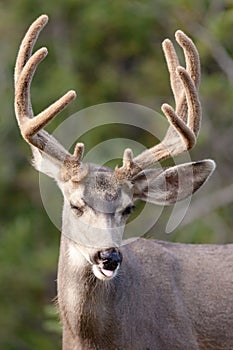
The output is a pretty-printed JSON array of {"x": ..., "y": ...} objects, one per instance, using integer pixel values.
[{"x": 107, "y": 51}]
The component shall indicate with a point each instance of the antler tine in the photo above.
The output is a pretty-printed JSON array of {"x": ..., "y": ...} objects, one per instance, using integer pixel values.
[
  {"x": 191, "y": 56},
  {"x": 30, "y": 126},
  {"x": 194, "y": 70},
  {"x": 24, "y": 54},
  {"x": 192, "y": 65},
  {"x": 172, "y": 63},
  {"x": 28, "y": 43},
  {"x": 182, "y": 86},
  {"x": 186, "y": 118}
]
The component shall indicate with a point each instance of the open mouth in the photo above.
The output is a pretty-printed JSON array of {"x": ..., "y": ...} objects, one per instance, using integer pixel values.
[
  {"x": 107, "y": 263},
  {"x": 104, "y": 274},
  {"x": 109, "y": 273}
]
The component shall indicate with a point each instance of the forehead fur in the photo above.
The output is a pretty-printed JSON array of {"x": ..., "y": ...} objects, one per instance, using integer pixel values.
[
  {"x": 103, "y": 192},
  {"x": 102, "y": 181},
  {"x": 100, "y": 189}
]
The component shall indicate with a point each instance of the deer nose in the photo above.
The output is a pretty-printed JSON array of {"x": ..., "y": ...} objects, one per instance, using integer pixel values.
[{"x": 110, "y": 259}]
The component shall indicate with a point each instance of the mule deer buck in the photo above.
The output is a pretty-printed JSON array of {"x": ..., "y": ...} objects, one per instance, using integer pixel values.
[{"x": 147, "y": 294}]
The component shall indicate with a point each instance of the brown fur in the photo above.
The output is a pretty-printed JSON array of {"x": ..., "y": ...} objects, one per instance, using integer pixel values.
[{"x": 166, "y": 296}]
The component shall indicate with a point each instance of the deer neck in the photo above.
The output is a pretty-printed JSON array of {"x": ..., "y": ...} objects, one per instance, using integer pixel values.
[{"x": 86, "y": 303}]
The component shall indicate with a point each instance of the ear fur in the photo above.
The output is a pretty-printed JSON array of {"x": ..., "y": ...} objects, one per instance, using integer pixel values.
[
  {"x": 165, "y": 186},
  {"x": 45, "y": 164}
]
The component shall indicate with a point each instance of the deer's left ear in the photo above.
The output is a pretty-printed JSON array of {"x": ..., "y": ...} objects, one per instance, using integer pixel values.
[{"x": 166, "y": 186}]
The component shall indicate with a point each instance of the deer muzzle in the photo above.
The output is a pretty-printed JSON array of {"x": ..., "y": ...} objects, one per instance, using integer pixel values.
[{"x": 106, "y": 263}]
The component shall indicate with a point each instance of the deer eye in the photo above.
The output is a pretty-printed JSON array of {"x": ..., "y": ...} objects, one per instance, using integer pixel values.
[
  {"x": 128, "y": 210},
  {"x": 76, "y": 209}
]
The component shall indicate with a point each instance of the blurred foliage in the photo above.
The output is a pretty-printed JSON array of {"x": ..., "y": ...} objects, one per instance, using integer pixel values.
[{"x": 107, "y": 51}]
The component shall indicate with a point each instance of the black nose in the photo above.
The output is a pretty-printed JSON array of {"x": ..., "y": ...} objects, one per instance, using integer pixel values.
[{"x": 109, "y": 258}]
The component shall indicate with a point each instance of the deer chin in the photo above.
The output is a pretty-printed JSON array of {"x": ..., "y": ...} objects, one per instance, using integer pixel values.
[{"x": 104, "y": 274}]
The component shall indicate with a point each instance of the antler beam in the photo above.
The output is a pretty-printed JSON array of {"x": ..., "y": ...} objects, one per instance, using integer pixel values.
[{"x": 32, "y": 127}]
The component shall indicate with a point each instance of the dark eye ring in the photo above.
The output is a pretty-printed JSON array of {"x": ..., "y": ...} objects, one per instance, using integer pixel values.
[
  {"x": 78, "y": 210},
  {"x": 128, "y": 210}
]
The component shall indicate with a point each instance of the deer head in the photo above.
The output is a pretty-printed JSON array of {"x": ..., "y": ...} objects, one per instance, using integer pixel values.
[{"x": 98, "y": 200}]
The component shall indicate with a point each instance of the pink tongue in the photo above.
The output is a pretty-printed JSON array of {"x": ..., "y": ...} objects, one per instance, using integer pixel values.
[{"x": 107, "y": 273}]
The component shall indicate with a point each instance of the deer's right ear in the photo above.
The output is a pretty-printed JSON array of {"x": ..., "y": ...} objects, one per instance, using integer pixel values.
[
  {"x": 65, "y": 166},
  {"x": 46, "y": 165},
  {"x": 165, "y": 186}
]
